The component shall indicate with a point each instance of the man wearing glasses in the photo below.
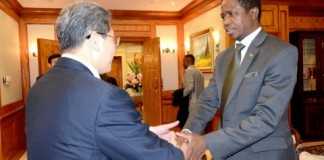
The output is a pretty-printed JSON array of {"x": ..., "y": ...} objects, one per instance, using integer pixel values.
[{"x": 73, "y": 114}]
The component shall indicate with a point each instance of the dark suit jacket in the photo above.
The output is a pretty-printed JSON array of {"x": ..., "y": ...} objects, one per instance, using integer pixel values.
[
  {"x": 71, "y": 115},
  {"x": 183, "y": 102},
  {"x": 255, "y": 117}
]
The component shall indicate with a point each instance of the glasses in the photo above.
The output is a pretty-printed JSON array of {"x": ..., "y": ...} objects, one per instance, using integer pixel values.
[{"x": 115, "y": 39}]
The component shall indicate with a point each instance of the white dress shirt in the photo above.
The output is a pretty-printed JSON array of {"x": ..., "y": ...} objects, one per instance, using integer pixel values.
[
  {"x": 246, "y": 41},
  {"x": 92, "y": 69}
]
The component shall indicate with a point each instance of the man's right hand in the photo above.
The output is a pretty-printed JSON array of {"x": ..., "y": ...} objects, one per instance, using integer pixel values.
[
  {"x": 196, "y": 144},
  {"x": 185, "y": 146}
]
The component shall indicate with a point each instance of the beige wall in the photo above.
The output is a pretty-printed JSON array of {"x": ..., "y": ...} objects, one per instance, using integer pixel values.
[
  {"x": 35, "y": 31},
  {"x": 208, "y": 20},
  {"x": 10, "y": 59},
  {"x": 169, "y": 61}
]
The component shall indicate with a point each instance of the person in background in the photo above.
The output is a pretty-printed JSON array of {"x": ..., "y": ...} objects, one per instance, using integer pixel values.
[
  {"x": 72, "y": 114},
  {"x": 182, "y": 102},
  {"x": 252, "y": 84},
  {"x": 193, "y": 81}
]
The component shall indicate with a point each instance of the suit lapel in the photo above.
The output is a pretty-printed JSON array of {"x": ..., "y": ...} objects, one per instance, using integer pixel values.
[
  {"x": 249, "y": 57},
  {"x": 222, "y": 68}
]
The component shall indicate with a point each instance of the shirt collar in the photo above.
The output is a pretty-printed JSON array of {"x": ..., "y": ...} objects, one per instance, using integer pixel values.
[
  {"x": 246, "y": 41},
  {"x": 191, "y": 66},
  {"x": 88, "y": 65}
]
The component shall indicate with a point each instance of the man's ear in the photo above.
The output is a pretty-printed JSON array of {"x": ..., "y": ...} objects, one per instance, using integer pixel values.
[
  {"x": 254, "y": 12},
  {"x": 93, "y": 42}
]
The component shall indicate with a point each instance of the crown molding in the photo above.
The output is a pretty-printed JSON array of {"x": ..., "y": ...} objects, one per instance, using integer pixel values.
[
  {"x": 11, "y": 7},
  {"x": 14, "y": 5},
  {"x": 198, "y": 6},
  {"x": 129, "y": 14}
]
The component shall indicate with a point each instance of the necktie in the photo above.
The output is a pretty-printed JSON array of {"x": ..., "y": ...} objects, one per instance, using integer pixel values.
[{"x": 232, "y": 68}]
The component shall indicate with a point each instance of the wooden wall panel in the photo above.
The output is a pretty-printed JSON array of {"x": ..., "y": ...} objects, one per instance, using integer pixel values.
[
  {"x": 133, "y": 28},
  {"x": 145, "y": 15},
  {"x": 12, "y": 131},
  {"x": 169, "y": 112},
  {"x": 300, "y": 23},
  {"x": 301, "y": 3},
  {"x": 24, "y": 58},
  {"x": 269, "y": 18},
  {"x": 181, "y": 52},
  {"x": 284, "y": 22},
  {"x": 39, "y": 15},
  {"x": 306, "y": 11}
]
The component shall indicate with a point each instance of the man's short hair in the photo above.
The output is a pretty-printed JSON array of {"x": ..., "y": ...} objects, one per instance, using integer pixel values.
[
  {"x": 51, "y": 57},
  {"x": 249, "y": 4},
  {"x": 76, "y": 21},
  {"x": 191, "y": 58}
]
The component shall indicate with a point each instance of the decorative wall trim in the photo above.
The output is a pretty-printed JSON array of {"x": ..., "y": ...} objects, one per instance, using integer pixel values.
[
  {"x": 192, "y": 10},
  {"x": 11, "y": 108},
  {"x": 15, "y": 5},
  {"x": 306, "y": 23},
  {"x": 306, "y": 11},
  {"x": 162, "y": 15},
  {"x": 196, "y": 8},
  {"x": 7, "y": 7},
  {"x": 301, "y": 3}
]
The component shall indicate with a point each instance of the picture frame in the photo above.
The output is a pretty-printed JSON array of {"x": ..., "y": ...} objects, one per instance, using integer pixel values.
[{"x": 202, "y": 48}]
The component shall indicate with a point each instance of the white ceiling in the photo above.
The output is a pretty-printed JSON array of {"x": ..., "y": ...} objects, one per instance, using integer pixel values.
[{"x": 149, "y": 5}]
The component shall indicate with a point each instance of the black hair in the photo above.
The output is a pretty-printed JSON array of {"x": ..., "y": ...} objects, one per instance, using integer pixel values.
[
  {"x": 191, "y": 58},
  {"x": 249, "y": 4}
]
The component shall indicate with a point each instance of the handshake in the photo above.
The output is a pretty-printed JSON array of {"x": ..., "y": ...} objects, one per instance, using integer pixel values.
[{"x": 193, "y": 146}]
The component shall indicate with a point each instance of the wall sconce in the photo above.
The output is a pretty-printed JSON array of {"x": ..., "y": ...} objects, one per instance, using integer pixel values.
[
  {"x": 6, "y": 80},
  {"x": 187, "y": 45},
  {"x": 168, "y": 50},
  {"x": 33, "y": 49}
]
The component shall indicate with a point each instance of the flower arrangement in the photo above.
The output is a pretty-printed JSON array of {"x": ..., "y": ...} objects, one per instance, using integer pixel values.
[{"x": 134, "y": 79}]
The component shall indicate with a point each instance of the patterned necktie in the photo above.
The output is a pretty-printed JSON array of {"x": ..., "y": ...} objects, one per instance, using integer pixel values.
[{"x": 232, "y": 68}]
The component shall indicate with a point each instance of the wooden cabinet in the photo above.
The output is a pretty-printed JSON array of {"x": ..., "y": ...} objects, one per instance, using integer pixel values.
[
  {"x": 269, "y": 18},
  {"x": 12, "y": 131},
  {"x": 308, "y": 99},
  {"x": 274, "y": 19},
  {"x": 169, "y": 112}
]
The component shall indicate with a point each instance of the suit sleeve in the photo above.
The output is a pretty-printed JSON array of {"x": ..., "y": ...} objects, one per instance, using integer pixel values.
[
  {"x": 207, "y": 105},
  {"x": 120, "y": 134},
  {"x": 272, "y": 103},
  {"x": 188, "y": 83}
]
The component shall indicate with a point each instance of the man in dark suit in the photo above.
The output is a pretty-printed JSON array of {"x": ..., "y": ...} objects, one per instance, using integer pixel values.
[
  {"x": 73, "y": 115},
  {"x": 252, "y": 85}
]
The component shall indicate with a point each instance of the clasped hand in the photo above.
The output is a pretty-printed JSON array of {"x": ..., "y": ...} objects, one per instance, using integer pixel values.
[{"x": 192, "y": 145}]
